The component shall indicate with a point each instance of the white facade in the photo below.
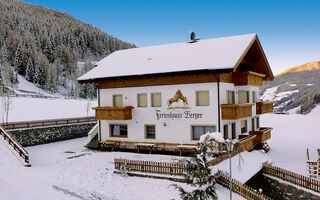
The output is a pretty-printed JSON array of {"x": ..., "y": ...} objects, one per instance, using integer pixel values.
[{"x": 177, "y": 129}]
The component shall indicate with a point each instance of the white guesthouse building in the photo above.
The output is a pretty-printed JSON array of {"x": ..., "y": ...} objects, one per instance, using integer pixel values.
[{"x": 174, "y": 93}]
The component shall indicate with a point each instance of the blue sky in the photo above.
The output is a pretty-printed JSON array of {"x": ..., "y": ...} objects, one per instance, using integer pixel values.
[{"x": 288, "y": 30}]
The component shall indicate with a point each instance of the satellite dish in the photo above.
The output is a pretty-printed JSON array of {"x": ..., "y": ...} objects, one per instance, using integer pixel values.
[{"x": 193, "y": 36}]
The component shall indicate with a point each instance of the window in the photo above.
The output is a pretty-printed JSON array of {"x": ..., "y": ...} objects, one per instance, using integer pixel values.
[
  {"x": 202, "y": 98},
  {"x": 156, "y": 100},
  {"x": 197, "y": 131},
  {"x": 233, "y": 129},
  {"x": 142, "y": 100},
  {"x": 258, "y": 123},
  {"x": 244, "y": 126},
  {"x": 225, "y": 131},
  {"x": 150, "y": 131},
  {"x": 243, "y": 97},
  {"x": 230, "y": 97},
  {"x": 117, "y": 100},
  {"x": 253, "y": 96},
  {"x": 252, "y": 124},
  {"x": 118, "y": 130}
]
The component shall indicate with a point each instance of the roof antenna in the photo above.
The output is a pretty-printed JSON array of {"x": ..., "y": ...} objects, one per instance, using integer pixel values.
[{"x": 193, "y": 37}]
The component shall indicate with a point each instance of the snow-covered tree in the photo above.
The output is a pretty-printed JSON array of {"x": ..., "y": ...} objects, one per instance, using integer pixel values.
[
  {"x": 18, "y": 59},
  {"x": 30, "y": 70},
  {"x": 52, "y": 78},
  {"x": 199, "y": 173}
]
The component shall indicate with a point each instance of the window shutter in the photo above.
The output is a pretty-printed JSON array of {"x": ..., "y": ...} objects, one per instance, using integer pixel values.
[
  {"x": 156, "y": 100},
  {"x": 117, "y": 101},
  {"x": 142, "y": 100},
  {"x": 243, "y": 97},
  {"x": 202, "y": 98}
]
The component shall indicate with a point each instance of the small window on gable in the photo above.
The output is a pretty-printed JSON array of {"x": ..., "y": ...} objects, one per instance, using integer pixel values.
[
  {"x": 150, "y": 131},
  {"x": 156, "y": 99},
  {"x": 142, "y": 100},
  {"x": 202, "y": 98},
  {"x": 117, "y": 100},
  {"x": 230, "y": 97},
  {"x": 244, "y": 126}
]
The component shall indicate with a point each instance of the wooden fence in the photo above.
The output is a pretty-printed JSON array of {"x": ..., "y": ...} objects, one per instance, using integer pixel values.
[
  {"x": 178, "y": 170},
  {"x": 40, "y": 123},
  {"x": 241, "y": 189},
  {"x": 16, "y": 146},
  {"x": 291, "y": 177}
]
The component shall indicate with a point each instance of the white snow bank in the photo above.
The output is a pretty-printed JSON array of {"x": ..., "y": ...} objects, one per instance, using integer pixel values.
[
  {"x": 290, "y": 138},
  {"x": 245, "y": 165},
  {"x": 27, "y": 109}
]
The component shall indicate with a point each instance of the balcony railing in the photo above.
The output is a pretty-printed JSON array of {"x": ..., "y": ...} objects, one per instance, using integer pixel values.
[
  {"x": 113, "y": 113},
  {"x": 264, "y": 107},
  {"x": 263, "y": 134},
  {"x": 247, "y": 78},
  {"x": 236, "y": 111}
]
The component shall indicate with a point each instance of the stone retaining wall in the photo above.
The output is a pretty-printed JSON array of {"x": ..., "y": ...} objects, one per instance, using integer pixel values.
[{"x": 43, "y": 135}]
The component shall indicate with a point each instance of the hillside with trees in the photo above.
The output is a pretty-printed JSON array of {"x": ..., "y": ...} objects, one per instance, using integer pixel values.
[
  {"x": 45, "y": 45},
  {"x": 296, "y": 88}
]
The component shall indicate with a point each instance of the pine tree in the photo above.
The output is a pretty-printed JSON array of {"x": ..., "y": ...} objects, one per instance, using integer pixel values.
[
  {"x": 200, "y": 174},
  {"x": 48, "y": 50},
  {"x": 18, "y": 59},
  {"x": 41, "y": 70},
  {"x": 30, "y": 70},
  {"x": 52, "y": 78}
]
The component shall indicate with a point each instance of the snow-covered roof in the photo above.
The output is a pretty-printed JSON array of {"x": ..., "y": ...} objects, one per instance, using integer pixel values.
[{"x": 210, "y": 54}]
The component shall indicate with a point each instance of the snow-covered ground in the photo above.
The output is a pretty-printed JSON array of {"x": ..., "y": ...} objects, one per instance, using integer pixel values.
[
  {"x": 290, "y": 138},
  {"x": 28, "y": 108},
  {"x": 67, "y": 170}
]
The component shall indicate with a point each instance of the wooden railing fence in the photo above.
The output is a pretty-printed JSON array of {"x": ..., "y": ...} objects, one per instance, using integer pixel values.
[
  {"x": 178, "y": 169},
  {"x": 175, "y": 169},
  {"x": 16, "y": 146},
  {"x": 40, "y": 123},
  {"x": 241, "y": 189},
  {"x": 291, "y": 177}
]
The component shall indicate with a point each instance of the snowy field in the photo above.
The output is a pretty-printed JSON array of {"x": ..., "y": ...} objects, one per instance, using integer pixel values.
[
  {"x": 67, "y": 170},
  {"x": 290, "y": 138},
  {"x": 28, "y": 108}
]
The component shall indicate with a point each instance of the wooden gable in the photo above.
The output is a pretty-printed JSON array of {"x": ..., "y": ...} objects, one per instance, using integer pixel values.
[{"x": 254, "y": 59}]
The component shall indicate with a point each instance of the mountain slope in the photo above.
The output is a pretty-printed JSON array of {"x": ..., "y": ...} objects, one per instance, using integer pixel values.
[
  {"x": 300, "y": 90},
  {"x": 44, "y": 46},
  {"x": 310, "y": 66}
]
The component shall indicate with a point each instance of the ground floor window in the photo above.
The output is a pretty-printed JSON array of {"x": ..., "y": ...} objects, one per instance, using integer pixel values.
[
  {"x": 225, "y": 131},
  {"x": 244, "y": 126},
  {"x": 197, "y": 131},
  {"x": 118, "y": 130},
  {"x": 233, "y": 130},
  {"x": 252, "y": 124},
  {"x": 150, "y": 131}
]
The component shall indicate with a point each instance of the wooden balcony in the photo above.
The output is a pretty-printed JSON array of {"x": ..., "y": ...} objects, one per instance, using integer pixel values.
[
  {"x": 247, "y": 78},
  {"x": 263, "y": 134},
  {"x": 236, "y": 111},
  {"x": 264, "y": 107},
  {"x": 113, "y": 113}
]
